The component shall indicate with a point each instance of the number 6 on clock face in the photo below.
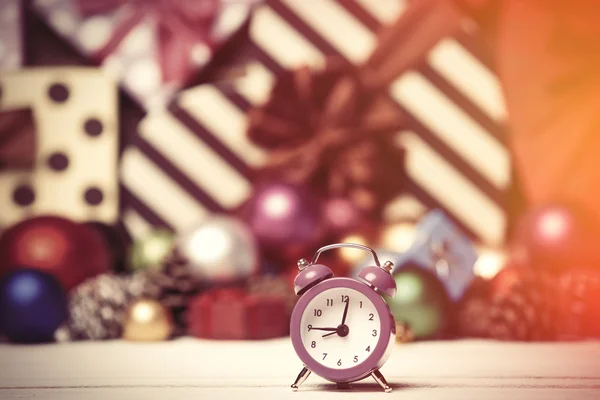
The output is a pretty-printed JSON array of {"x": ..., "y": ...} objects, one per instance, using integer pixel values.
[{"x": 326, "y": 311}]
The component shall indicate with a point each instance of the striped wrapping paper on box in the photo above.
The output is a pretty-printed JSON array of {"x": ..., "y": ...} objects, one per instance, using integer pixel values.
[{"x": 196, "y": 158}]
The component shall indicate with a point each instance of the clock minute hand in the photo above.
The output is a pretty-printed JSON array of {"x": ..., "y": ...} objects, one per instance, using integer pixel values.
[{"x": 345, "y": 312}]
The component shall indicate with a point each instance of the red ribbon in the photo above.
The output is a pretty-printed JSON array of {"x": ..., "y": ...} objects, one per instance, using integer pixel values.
[{"x": 181, "y": 24}]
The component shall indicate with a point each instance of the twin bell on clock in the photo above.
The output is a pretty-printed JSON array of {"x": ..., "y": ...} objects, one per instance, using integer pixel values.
[{"x": 341, "y": 328}]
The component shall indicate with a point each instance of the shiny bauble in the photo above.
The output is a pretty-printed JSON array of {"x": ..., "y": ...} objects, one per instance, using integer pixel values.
[
  {"x": 147, "y": 321},
  {"x": 398, "y": 236},
  {"x": 490, "y": 261},
  {"x": 70, "y": 251},
  {"x": 219, "y": 249},
  {"x": 33, "y": 304},
  {"x": 341, "y": 216},
  {"x": 149, "y": 251},
  {"x": 285, "y": 219},
  {"x": 117, "y": 242},
  {"x": 554, "y": 236},
  {"x": 349, "y": 255},
  {"x": 421, "y": 303}
]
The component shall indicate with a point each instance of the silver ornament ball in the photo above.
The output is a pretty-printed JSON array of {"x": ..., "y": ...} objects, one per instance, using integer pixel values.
[{"x": 219, "y": 249}]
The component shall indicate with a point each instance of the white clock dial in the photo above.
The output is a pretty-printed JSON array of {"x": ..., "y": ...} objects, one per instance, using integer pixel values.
[{"x": 346, "y": 347}]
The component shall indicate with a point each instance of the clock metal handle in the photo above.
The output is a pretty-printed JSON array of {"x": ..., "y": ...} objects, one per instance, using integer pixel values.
[{"x": 341, "y": 245}]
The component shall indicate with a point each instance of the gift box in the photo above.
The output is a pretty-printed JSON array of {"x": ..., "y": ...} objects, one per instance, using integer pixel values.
[
  {"x": 11, "y": 34},
  {"x": 17, "y": 139},
  {"x": 235, "y": 315},
  {"x": 441, "y": 247},
  {"x": 73, "y": 129},
  {"x": 438, "y": 100},
  {"x": 153, "y": 48}
]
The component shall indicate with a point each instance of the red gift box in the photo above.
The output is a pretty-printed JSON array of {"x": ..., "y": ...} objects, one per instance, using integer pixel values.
[{"x": 233, "y": 314}]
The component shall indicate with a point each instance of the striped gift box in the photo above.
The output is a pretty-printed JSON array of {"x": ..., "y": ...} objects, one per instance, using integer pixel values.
[{"x": 195, "y": 158}]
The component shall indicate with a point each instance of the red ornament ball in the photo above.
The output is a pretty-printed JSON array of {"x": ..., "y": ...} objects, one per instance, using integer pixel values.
[
  {"x": 285, "y": 219},
  {"x": 554, "y": 236},
  {"x": 70, "y": 251},
  {"x": 341, "y": 216}
]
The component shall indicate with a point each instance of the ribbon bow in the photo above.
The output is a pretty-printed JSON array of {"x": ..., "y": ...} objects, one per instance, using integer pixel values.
[
  {"x": 313, "y": 143},
  {"x": 182, "y": 25},
  {"x": 333, "y": 129}
]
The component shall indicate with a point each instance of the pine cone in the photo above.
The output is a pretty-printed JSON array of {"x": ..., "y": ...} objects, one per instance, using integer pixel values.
[
  {"x": 173, "y": 285},
  {"x": 578, "y": 308},
  {"x": 525, "y": 312},
  {"x": 474, "y": 318},
  {"x": 97, "y": 307}
]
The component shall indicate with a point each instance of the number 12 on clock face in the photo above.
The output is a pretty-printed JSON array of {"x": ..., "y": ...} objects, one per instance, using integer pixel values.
[{"x": 340, "y": 328}]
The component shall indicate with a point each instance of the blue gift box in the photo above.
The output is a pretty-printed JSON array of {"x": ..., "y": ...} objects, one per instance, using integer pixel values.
[{"x": 442, "y": 248}]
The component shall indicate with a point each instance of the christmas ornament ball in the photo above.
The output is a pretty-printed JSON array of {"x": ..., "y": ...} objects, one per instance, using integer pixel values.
[
  {"x": 117, "y": 242},
  {"x": 285, "y": 219},
  {"x": 341, "y": 216},
  {"x": 398, "y": 236},
  {"x": 554, "y": 236},
  {"x": 150, "y": 250},
  {"x": 33, "y": 304},
  {"x": 70, "y": 251},
  {"x": 421, "y": 302},
  {"x": 219, "y": 249},
  {"x": 147, "y": 320}
]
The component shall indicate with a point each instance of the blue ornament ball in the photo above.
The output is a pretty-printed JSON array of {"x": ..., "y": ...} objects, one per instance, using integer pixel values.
[{"x": 33, "y": 304}]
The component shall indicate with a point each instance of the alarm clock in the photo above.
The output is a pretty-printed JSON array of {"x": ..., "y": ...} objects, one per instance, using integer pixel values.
[{"x": 341, "y": 328}]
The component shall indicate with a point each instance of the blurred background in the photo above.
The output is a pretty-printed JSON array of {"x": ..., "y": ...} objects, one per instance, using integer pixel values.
[{"x": 164, "y": 164}]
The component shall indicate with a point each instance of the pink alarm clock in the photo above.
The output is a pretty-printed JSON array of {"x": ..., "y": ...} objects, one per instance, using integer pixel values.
[{"x": 341, "y": 328}]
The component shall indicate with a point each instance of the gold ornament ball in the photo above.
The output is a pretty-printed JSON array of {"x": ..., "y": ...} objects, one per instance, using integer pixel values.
[
  {"x": 398, "y": 237},
  {"x": 146, "y": 321},
  {"x": 352, "y": 256},
  {"x": 489, "y": 262}
]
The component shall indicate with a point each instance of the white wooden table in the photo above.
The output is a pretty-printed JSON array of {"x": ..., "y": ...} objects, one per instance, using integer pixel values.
[{"x": 196, "y": 369}]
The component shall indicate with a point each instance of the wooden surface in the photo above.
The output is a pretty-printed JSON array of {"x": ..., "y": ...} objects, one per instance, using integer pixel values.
[{"x": 195, "y": 369}]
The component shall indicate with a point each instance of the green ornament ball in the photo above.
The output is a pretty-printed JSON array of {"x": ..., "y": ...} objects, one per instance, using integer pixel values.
[
  {"x": 149, "y": 251},
  {"x": 421, "y": 302}
]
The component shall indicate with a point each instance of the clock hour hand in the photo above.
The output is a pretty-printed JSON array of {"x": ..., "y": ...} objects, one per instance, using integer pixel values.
[{"x": 322, "y": 329}]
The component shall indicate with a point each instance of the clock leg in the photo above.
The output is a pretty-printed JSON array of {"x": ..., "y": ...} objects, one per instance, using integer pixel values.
[
  {"x": 381, "y": 380},
  {"x": 301, "y": 378}
]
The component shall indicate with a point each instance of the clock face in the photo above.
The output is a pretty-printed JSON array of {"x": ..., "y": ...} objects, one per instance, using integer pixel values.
[{"x": 332, "y": 343}]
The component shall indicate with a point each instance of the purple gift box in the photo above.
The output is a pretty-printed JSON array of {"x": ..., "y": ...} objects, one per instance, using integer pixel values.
[{"x": 152, "y": 47}]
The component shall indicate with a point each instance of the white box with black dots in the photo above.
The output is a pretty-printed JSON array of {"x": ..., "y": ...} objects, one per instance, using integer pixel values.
[{"x": 75, "y": 112}]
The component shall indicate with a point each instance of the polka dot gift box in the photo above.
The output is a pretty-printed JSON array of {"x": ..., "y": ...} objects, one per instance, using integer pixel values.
[
  {"x": 74, "y": 172},
  {"x": 449, "y": 99},
  {"x": 11, "y": 39},
  {"x": 152, "y": 46}
]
